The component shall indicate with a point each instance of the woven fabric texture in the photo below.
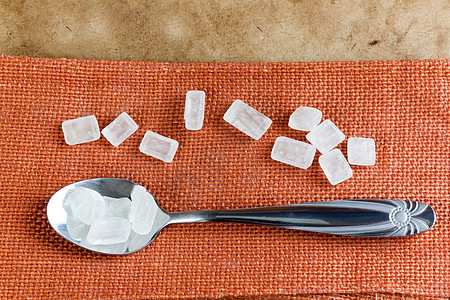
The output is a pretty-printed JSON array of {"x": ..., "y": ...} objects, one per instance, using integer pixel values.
[{"x": 403, "y": 105}]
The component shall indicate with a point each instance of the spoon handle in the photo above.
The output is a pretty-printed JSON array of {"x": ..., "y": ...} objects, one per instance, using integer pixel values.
[{"x": 356, "y": 217}]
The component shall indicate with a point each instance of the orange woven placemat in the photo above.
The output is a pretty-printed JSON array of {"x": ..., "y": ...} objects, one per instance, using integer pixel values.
[{"x": 403, "y": 105}]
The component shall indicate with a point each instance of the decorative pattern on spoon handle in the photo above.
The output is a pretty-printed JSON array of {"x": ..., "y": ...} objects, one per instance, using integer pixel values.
[{"x": 403, "y": 217}]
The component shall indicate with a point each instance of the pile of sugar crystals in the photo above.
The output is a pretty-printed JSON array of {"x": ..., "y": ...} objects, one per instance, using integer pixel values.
[
  {"x": 323, "y": 137},
  {"x": 107, "y": 224}
]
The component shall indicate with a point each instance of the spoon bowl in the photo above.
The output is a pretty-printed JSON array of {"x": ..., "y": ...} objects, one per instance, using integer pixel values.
[
  {"x": 109, "y": 187},
  {"x": 354, "y": 217}
]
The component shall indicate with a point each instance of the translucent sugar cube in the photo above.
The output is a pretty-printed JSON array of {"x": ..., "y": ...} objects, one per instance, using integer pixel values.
[
  {"x": 325, "y": 137},
  {"x": 77, "y": 229},
  {"x": 81, "y": 130},
  {"x": 335, "y": 166},
  {"x": 305, "y": 118},
  {"x": 194, "y": 110},
  {"x": 109, "y": 231},
  {"x": 120, "y": 129},
  {"x": 158, "y": 146},
  {"x": 247, "y": 119},
  {"x": 143, "y": 210},
  {"x": 117, "y": 207},
  {"x": 361, "y": 151},
  {"x": 86, "y": 204},
  {"x": 293, "y": 152},
  {"x": 138, "y": 241}
]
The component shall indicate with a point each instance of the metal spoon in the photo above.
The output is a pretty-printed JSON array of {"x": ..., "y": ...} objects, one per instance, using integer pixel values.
[{"x": 357, "y": 217}]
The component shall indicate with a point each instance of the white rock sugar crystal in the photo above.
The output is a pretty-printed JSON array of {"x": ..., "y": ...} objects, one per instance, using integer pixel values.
[
  {"x": 77, "y": 229},
  {"x": 325, "y": 137},
  {"x": 109, "y": 231},
  {"x": 247, "y": 119},
  {"x": 194, "y": 110},
  {"x": 120, "y": 129},
  {"x": 335, "y": 166},
  {"x": 361, "y": 151},
  {"x": 143, "y": 210},
  {"x": 305, "y": 118},
  {"x": 293, "y": 152},
  {"x": 81, "y": 130},
  {"x": 86, "y": 204},
  {"x": 158, "y": 146},
  {"x": 138, "y": 241},
  {"x": 117, "y": 207}
]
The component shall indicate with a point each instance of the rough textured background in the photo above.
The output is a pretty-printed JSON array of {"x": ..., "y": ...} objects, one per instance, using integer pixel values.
[
  {"x": 403, "y": 105},
  {"x": 195, "y": 31},
  {"x": 226, "y": 30}
]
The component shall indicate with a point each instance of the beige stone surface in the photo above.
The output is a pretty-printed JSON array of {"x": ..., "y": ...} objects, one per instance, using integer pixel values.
[{"x": 227, "y": 30}]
